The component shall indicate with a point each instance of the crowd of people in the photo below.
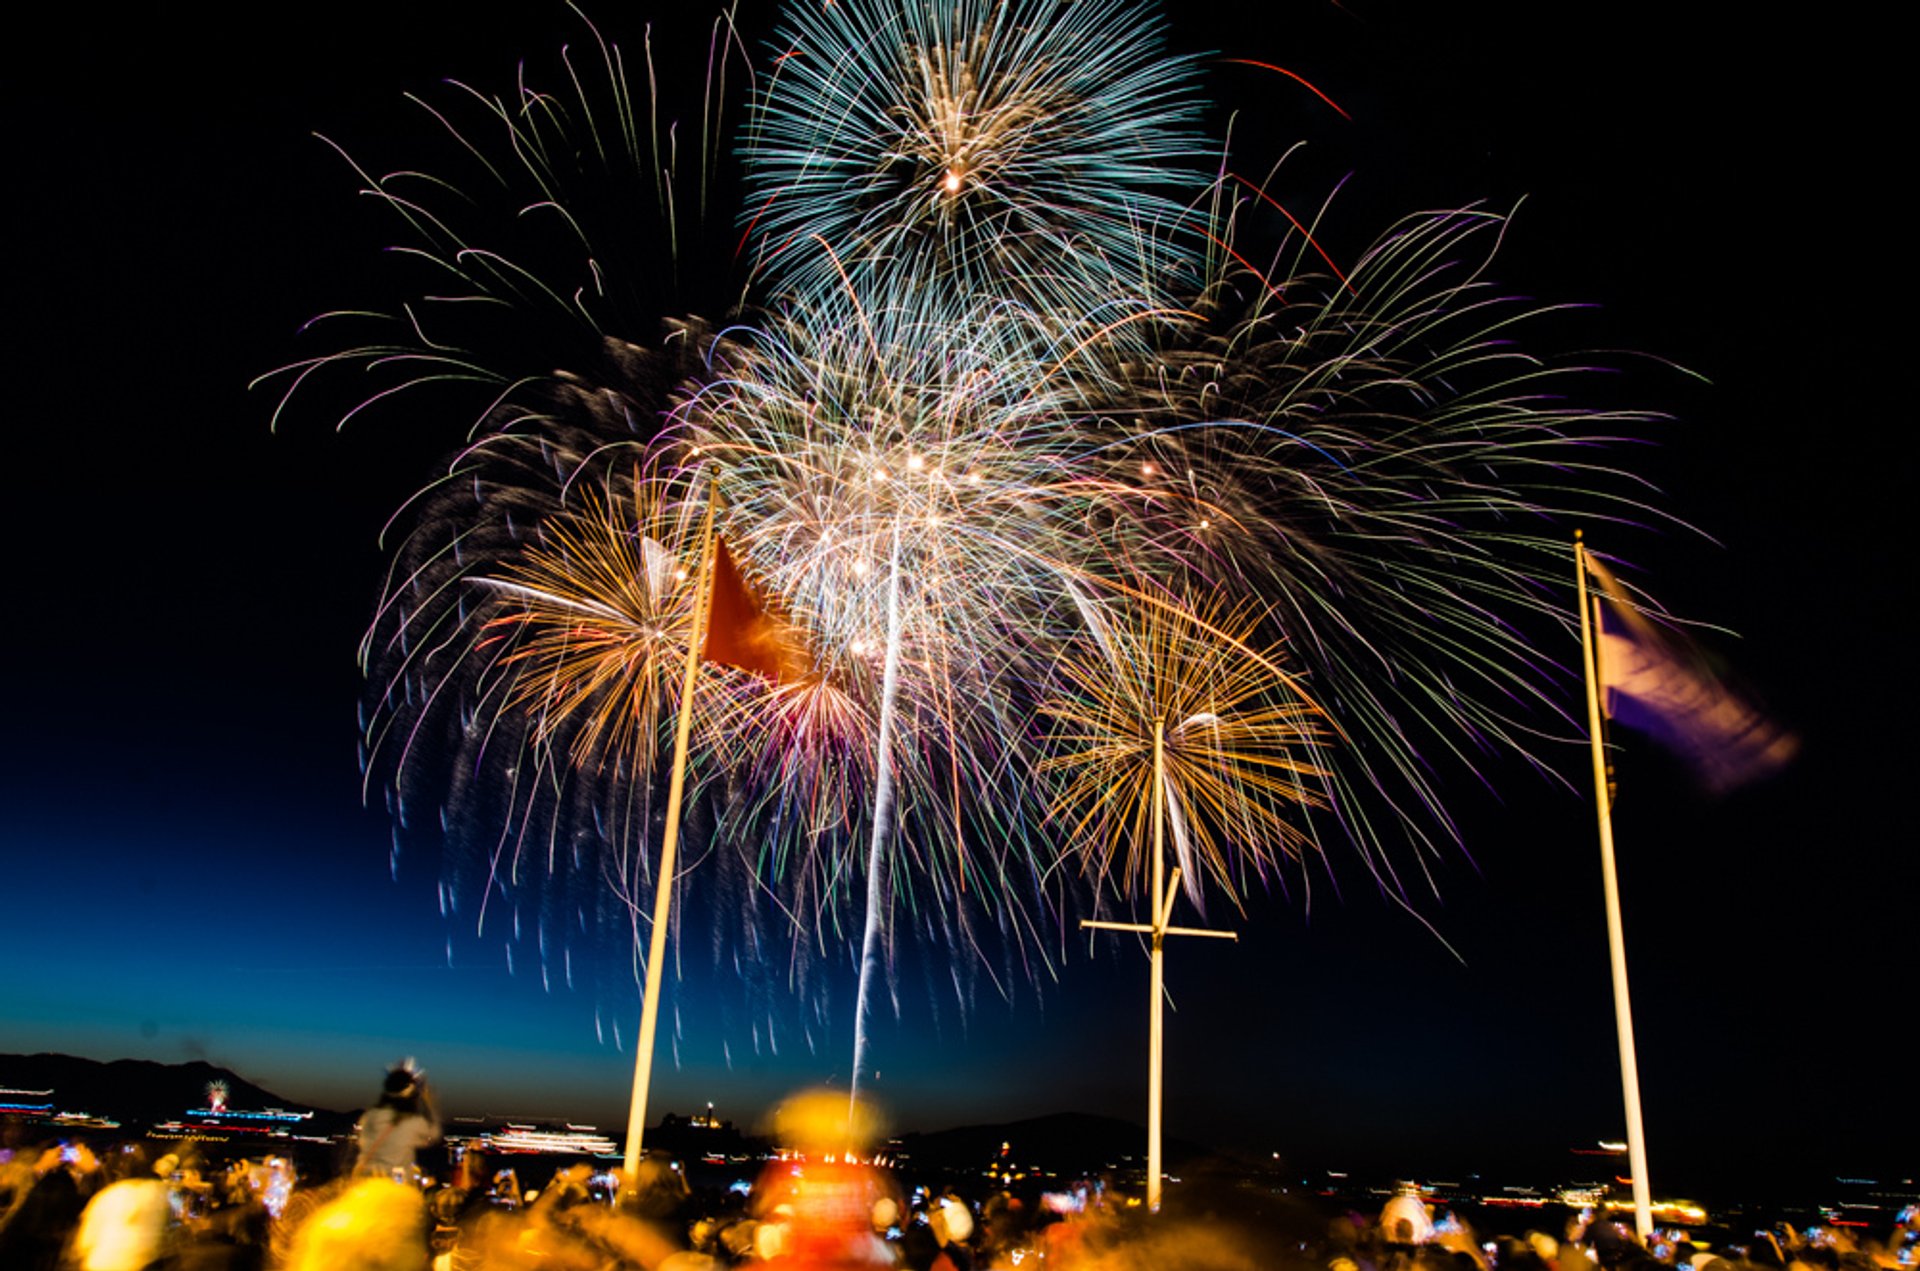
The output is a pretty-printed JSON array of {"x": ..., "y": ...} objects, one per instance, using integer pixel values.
[
  {"x": 1407, "y": 1237},
  {"x": 139, "y": 1207}
]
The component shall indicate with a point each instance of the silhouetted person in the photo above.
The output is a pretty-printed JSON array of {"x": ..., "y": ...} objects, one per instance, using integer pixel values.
[{"x": 394, "y": 1130}]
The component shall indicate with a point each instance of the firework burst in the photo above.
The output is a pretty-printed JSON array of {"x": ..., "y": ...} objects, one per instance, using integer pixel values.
[
  {"x": 519, "y": 669},
  {"x": 973, "y": 154},
  {"x": 1239, "y": 740},
  {"x": 913, "y": 499},
  {"x": 1395, "y": 475},
  {"x": 989, "y": 436},
  {"x": 597, "y": 616},
  {"x": 558, "y": 226}
]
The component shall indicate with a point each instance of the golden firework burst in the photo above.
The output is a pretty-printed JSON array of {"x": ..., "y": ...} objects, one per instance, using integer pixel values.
[{"x": 1239, "y": 736}]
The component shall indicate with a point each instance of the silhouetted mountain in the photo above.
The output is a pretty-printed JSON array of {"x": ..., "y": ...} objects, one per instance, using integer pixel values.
[
  {"x": 139, "y": 1090},
  {"x": 1066, "y": 1142}
]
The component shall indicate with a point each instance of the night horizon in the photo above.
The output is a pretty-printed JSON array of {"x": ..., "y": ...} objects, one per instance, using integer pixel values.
[{"x": 195, "y": 875}]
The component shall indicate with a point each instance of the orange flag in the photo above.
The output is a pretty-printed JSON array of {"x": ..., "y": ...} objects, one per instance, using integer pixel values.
[{"x": 744, "y": 629}]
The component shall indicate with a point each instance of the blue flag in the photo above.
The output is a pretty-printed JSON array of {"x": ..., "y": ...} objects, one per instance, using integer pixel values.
[{"x": 1654, "y": 681}]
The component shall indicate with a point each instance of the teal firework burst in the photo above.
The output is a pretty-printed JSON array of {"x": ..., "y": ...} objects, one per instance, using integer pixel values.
[{"x": 975, "y": 153}]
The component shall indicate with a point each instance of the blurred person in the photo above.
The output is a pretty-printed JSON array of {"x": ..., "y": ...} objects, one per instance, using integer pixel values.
[
  {"x": 1406, "y": 1220},
  {"x": 952, "y": 1224},
  {"x": 1177, "y": 1245},
  {"x": 49, "y": 1195},
  {"x": 1517, "y": 1253},
  {"x": 1765, "y": 1251},
  {"x": 1611, "y": 1243},
  {"x": 538, "y": 1235},
  {"x": 127, "y": 1160},
  {"x": 235, "y": 1233},
  {"x": 124, "y": 1227},
  {"x": 918, "y": 1248},
  {"x": 885, "y": 1216},
  {"x": 736, "y": 1239},
  {"x": 393, "y": 1131},
  {"x": 17, "y": 1178},
  {"x": 818, "y": 1207},
  {"x": 1572, "y": 1255},
  {"x": 1069, "y": 1227},
  {"x": 453, "y": 1207},
  {"x": 1455, "y": 1236},
  {"x": 646, "y": 1230},
  {"x": 300, "y": 1204},
  {"x": 1003, "y": 1227},
  {"x": 505, "y": 1193},
  {"x": 658, "y": 1192},
  {"x": 375, "y": 1225}
]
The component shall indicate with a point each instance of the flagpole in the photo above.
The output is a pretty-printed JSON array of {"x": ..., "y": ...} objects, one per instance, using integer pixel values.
[
  {"x": 1616, "y": 942},
  {"x": 1157, "y": 1028},
  {"x": 669, "y": 850}
]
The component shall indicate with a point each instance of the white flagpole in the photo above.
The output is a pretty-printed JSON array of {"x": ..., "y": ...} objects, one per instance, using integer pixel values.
[
  {"x": 669, "y": 850},
  {"x": 1157, "y": 1029},
  {"x": 1622, "y": 1008}
]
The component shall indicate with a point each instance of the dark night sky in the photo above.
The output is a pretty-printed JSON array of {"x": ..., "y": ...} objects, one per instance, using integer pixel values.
[{"x": 189, "y": 872}]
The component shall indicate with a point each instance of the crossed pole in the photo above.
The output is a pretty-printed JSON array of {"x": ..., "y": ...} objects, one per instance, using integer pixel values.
[{"x": 1164, "y": 894}]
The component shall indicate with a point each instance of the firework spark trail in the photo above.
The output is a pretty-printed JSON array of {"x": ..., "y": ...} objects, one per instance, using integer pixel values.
[{"x": 883, "y": 798}]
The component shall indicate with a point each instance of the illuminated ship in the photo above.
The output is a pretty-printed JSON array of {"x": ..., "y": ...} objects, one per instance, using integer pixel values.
[
  {"x": 28, "y": 1105},
  {"x": 217, "y": 1123},
  {"x": 571, "y": 1140}
]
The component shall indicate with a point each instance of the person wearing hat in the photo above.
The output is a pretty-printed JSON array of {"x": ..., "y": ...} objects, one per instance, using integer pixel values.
[{"x": 395, "y": 1129}]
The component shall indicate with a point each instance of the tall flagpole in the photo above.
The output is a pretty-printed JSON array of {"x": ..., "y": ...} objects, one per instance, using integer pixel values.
[
  {"x": 1157, "y": 1029},
  {"x": 1616, "y": 942},
  {"x": 669, "y": 850}
]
